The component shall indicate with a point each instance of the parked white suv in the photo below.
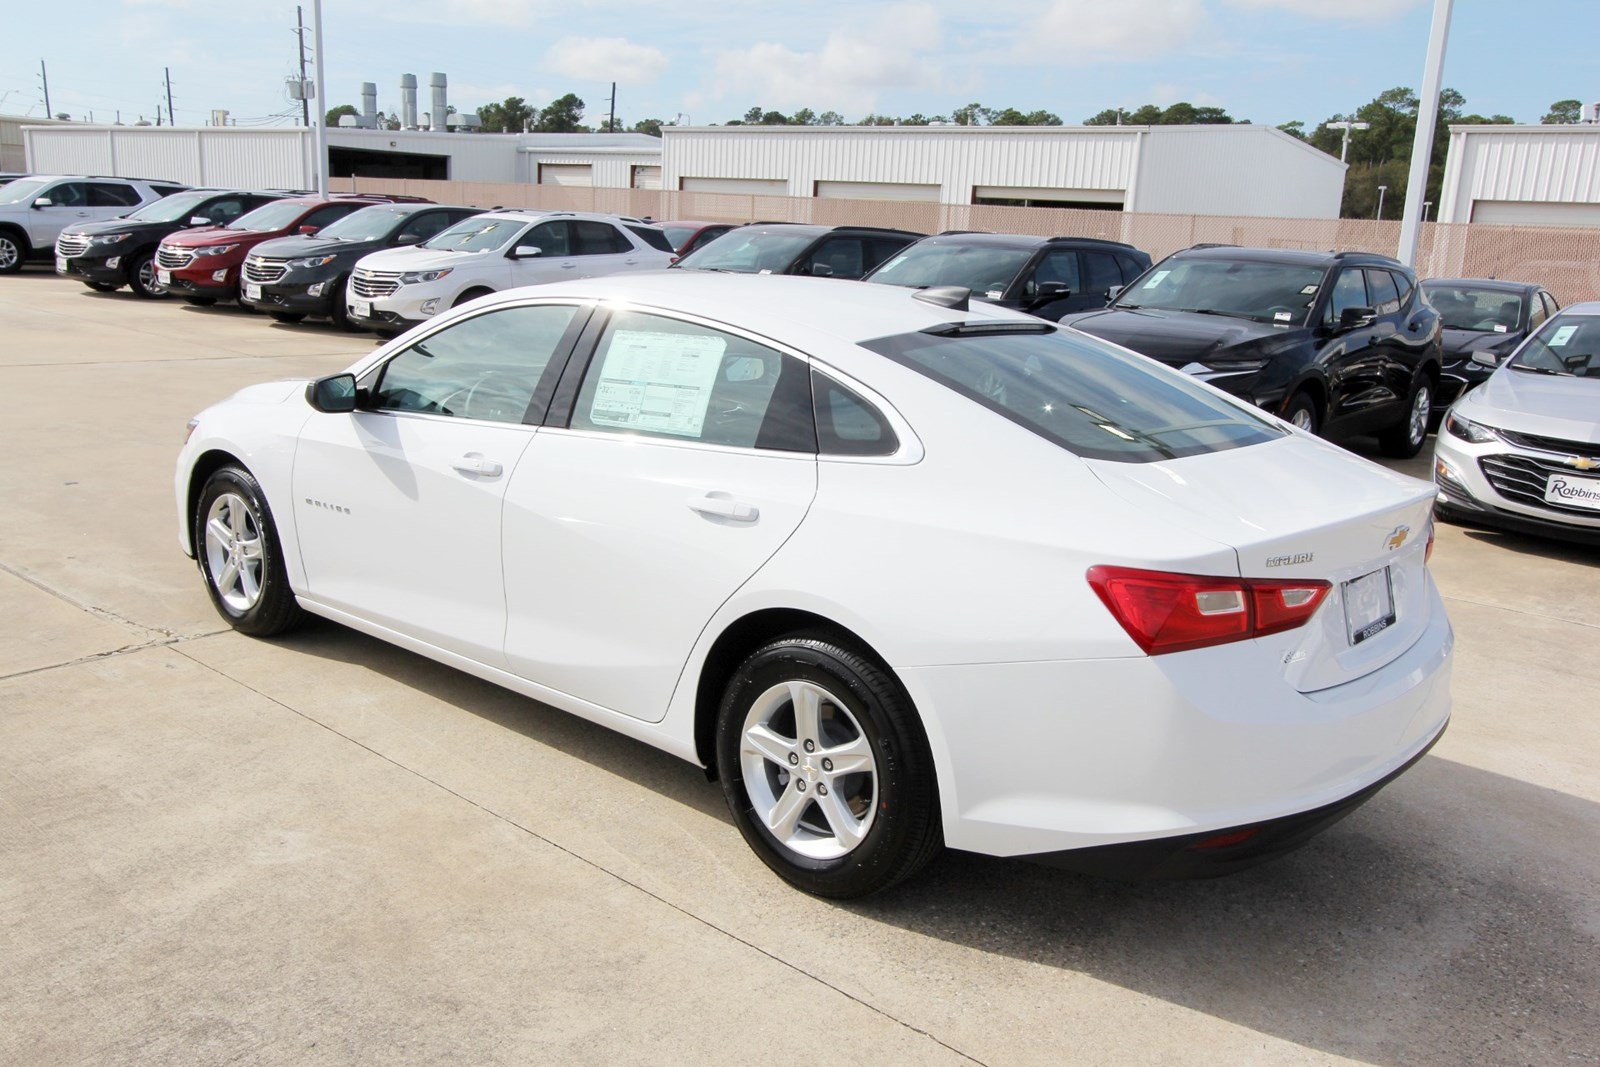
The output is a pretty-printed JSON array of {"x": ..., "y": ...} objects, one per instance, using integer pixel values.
[
  {"x": 35, "y": 209},
  {"x": 397, "y": 288}
]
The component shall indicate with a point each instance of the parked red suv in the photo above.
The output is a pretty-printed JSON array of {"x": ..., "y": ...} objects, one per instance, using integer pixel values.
[{"x": 202, "y": 265}]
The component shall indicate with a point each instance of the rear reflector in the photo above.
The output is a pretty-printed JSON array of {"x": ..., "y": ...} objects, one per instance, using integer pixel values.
[
  {"x": 1175, "y": 612},
  {"x": 1233, "y": 837}
]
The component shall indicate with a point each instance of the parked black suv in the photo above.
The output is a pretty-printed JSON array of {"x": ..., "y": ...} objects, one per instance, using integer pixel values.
[
  {"x": 795, "y": 248},
  {"x": 1331, "y": 341},
  {"x": 1481, "y": 317},
  {"x": 1044, "y": 276},
  {"x": 108, "y": 255},
  {"x": 305, "y": 274}
]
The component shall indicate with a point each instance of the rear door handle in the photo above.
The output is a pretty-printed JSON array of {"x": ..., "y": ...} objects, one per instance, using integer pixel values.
[
  {"x": 724, "y": 507},
  {"x": 475, "y": 463}
]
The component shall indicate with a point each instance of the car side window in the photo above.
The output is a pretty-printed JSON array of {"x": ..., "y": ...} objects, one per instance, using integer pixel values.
[
  {"x": 485, "y": 367},
  {"x": 653, "y": 237},
  {"x": 68, "y": 194},
  {"x": 1385, "y": 297},
  {"x": 1060, "y": 266},
  {"x": 329, "y": 213},
  {"x": 847, "y": 424},
  {"x": 221, "y": 212},
  {"x": 663, "y": 377},
  {"x": 597, "y": 239},
  {"x": 881, "y": 249},
  {"x": 1130, "y": 268},
  {"x": 1403, "y": 285},
  {"x": 1100, "y": 272},
  {"x": 112, "y": 194},
  {"x": 1349, "y": 291},
  {"x": 1550, "y": 305},
  {"x": 1536, "y": 312},
  {"x": 846, "y": 257},
  {"x": 424, "y": 224},
  {"x": 550, "y": 238}
]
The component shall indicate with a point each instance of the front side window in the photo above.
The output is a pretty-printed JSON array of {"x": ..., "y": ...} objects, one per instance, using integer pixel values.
[
  {"x": 1349, "y": 291},
  {"x": 1279, "y": 293},
  {"x": 1084, "y": 395},
  {"x": 1059, "y": 267},
  {"x": 985, "y": 270},
  {"x": 1467, "y": 307},
  {"x": 69, "y": 194},
  {"x": 667, "y": 378},
  {"x": 225, "y": 210},
  {"x": 750, "y": 251},
  {"x": 1100, "y": 272},
  {"x": 329, "y": 213},
  {"x": 425, "y": 225},
  {"x": 1385, "y": 297},
  {"x": 550, "y": 238},
  {"x": 268, "y": 217},
  {"x": 1567, "y": 345},
  {"x": 488, "y": 367},
  {"x": 840, "y": 257}
]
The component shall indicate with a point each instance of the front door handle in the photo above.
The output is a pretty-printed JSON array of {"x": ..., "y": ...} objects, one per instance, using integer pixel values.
[
  {"x": 475, "y": 463},
  {"x": 724, "y": 507}
]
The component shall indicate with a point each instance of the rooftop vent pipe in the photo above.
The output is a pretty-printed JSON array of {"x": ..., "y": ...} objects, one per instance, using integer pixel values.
[
  {"x": 408, "y": 101},
  {"x": 369, "y": 105},
  {"x": 436, "y": 83}
]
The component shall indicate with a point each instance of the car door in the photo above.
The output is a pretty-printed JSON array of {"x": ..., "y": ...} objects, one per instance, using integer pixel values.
[
  {"x": 69, "y": 203},
  {"x": 1101, "y": 274},
  {"x": 397, "y": 505},
  {"x": 602, "y": 249},
  {"x": 688, "y": 456},
  {"x": 1399, "y": 351},
  {"x": 556, "y": 259},
  {"x": 1351, "y": 356},
  {"x": 1057, "y": 266}
]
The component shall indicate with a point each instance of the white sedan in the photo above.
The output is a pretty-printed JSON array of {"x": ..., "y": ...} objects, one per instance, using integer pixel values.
[{"x": 902, "y": 573}]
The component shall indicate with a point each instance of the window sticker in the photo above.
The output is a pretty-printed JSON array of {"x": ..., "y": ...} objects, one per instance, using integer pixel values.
[
  {"x": 657, "y": 382},
  {"x": 1308, "y": 290},
  {"x": 1559, "y": 338},
  {"x": 994, "y": 294},
  {"x": 1281, "y": 316},
  {"x": 1155, "y": 279},
  {"x": 1499, "y": 328}
]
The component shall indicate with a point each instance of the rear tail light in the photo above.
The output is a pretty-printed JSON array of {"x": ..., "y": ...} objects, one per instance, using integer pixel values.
[
  {"x": 1175, "y": 612},
  {"x": 1427, "y": 556}
]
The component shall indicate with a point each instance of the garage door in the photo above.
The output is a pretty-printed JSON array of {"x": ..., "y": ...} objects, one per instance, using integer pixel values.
[
  {"x": 566, "y": 174},
  {"x": 1528, "y": 213},
  {"x": 1037, "y": 196},
  {"x": 877, "y": 191},
  {"x": 646, "y": 177},
  {"x": 746, "y": 186}
]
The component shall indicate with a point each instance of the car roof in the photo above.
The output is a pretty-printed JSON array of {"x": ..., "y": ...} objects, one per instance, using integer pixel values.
[
  {"x": 812, "y": 229},
  {"x": 1293, "y": 256},
  {"x": 1484, "y": 283},
  {"x": 701, "y": 223},
  {"x": 1588, "y": 307}
]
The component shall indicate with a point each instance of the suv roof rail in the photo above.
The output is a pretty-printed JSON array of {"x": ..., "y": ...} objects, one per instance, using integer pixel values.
[
  {"x": 958, "y": 233},
  {"x": 1374, "y": 255},
  {"x": 882, "y": 229},
  {"x": 1096, "y": 241},
  {"x": 1210, "y": 244}
]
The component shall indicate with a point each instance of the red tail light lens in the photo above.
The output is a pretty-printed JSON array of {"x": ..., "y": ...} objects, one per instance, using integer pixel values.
[{"x": 1175, "y": 612}]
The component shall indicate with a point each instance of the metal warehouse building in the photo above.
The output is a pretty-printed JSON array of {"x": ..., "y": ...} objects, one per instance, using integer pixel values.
[
  {"x": 1205, "y": 170},
  {"x": 1522, "y": 175}
]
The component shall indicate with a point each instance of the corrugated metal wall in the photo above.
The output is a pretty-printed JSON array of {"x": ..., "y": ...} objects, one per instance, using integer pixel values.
[
  {"x": 1543, "y": 164},
  {"x": 1236, "y": 170},
  {"x": 221, "y": 156}
]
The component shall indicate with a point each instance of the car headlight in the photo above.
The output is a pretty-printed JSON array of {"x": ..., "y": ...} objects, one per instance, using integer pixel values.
[
  {"x": 311, "y": 262},
  {"x": 418, "y": 277},
  {"x": 110, "y": 238},
  {"x": 213, "y": 250},
  {"x": 1467, "y": 430}
]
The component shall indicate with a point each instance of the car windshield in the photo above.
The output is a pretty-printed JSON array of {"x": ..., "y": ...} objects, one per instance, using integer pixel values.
[
  {"x": 1279, "y": 293},
  {"x": 1089, "y": 397},
  {"x": 750, "y": 251},
  {"x": 985, "y": 270},
  {"x": 368, "y": 224},
  {"x": 477, "y": 235},
  {"x": 18, "y": 191},
  {"x": 679, "y": 234},
  {"x": 1566, "y": 345},
  {"x": 1464, "y": 307},
  {"x": 269, "y": 217},
  {"x": 171, "y": 208}
]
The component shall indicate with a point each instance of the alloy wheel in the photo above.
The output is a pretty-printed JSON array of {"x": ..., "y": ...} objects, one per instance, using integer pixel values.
[
  {"x": 234, "y": 556},
  {"x": 149, "y": 281},
  {"x": 809, "y": 770},
  {"x": 1421, "y": 408},
  {"x": 10, "y": 254},
  {"x": 1302, "y": 419}
]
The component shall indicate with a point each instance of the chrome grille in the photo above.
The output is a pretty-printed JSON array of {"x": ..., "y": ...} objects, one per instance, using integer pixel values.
[
  {"x": 72, "y": 244},
  {"x": 371, "y": 283},
  {"x": 264, "y": 270},
  {"x": 173, "y": 258},
  {"x": 1552, "y": 444},
  {"x": 1524, "y": 478}
]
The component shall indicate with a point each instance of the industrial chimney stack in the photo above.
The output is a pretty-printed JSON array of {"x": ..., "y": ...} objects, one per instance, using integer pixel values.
[
  {"x": 436, "y": 83},
  {"x": 408, "y": 101},
  {"x": 369, "y": 105}
]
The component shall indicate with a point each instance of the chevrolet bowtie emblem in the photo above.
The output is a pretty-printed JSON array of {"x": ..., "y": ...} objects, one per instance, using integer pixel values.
[
  {"x": 1582, "y": 463},
  {"x": 1397, "y": 537}
]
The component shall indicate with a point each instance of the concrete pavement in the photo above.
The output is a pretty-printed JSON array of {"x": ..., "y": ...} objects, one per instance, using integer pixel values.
[{"x": 322, "y": 849}]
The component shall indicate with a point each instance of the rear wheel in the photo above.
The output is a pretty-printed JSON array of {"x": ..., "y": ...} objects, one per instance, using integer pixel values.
[
  {"x": 826, "y": 769},
  {"x": 13, "y": 250},
  {"x": 287, "y": 316},
  {"x": 1303, "y": 413},
  {"x": 142, "y": 278},
  {"x": 1404, "y": 439},
  {"x": 236, "y": 546},
  {"x": 200, "y": 301}
]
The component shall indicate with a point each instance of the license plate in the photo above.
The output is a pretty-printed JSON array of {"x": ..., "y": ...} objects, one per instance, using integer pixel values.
[
  {"x": 1368, "y": 605},
  {"x": 362, "y": 308},
  {"x": 163, "y": 277},
  {"x": 61, "y": 265},
  {"x": 252, "y": 292},
  {"x": 1573, "y": 492}
]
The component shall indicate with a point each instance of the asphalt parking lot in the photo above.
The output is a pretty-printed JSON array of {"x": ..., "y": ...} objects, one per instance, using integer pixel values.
[{"x": 326, "y": 850}]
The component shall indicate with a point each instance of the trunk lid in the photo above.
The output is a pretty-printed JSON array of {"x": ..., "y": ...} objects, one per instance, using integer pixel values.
[{"x": 1302, "y": 508}]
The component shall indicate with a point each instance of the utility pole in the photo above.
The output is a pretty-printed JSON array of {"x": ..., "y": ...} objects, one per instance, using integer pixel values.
[
  {"x": 1422, "y": 145},
  {"x": 44, "y": 80},
  {"x": 300, "y": 32},
  {"x": 172, "y": 120},
  {"x": 319, "y": 131},
  {"x": 611, "y": 127}
]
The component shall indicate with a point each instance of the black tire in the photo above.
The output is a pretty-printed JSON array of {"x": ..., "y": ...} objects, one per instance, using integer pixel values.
[
  {"x": 103, "y": 287},
  {"x": 200, "y": 301},
  {"x": 142, "y": 277},
  {"x": 274, "y": 610},
  {"x": 339, "y": 310},
  {"x": 13, "y": 251},
  {"x": 470, "y": 294},
  {"x": 1303, "y": 406},
  {"x": 904, "y": 831},
  {"x": 287, "y": 316},
  {"x": 1405, "y": 438}
]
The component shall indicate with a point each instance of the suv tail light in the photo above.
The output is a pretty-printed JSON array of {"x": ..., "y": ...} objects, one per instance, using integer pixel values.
[{"x": 1174, "y": 612}]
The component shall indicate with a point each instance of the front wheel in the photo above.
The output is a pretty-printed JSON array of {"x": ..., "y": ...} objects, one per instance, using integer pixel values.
[
  {"x": 1404, "y": 439},
  {"x": 1302, "y": 413},
  {"x": 237, "y": 548},
  {"x": 143, "y": 279},
  {"x": 826, "y": 768}
]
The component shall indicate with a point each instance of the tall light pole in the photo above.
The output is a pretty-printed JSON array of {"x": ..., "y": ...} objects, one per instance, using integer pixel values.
[
  {"x": 1422, "y": 144},
  {"x": 1381, "y": 190},
  {"x": 1347, "y": 126},
  {"x": 319, "y": 129}
]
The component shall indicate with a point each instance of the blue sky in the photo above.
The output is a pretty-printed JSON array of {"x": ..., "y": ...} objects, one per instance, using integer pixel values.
[{"x": 1266, "y": 60}]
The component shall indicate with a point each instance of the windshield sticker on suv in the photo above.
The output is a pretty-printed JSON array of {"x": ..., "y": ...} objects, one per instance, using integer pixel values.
[
  {"x": 1155, "y": 279},
  {"x": 1308, "y": 290},
  {"x": 1559, "y": 338},
  {"x": 659, "y": 382},
  {"x": 1281, "y": 316},
  {"x": 994, "y": 294}
]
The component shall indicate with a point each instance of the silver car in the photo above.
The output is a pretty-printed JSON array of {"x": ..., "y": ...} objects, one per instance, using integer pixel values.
[{"x": 1522, "y": 450}]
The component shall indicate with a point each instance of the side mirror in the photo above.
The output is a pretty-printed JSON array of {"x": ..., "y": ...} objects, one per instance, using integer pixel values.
[
  {"x": 1486, "y": 359},
  {"x": 333, "y": 394},
  {"x": 408, "y": 239},
  {"x": 526, "y": 252},
  {"x": 1048, "y": 291},
  {"x": 1355, "y": 318},
  {"x": 1114, "y": 292},
  {"x": 43, "y": 201},
  {"x": 199, "y": 220},
  {"x": 821, "y": 270},
  {"x": 307, "y": 231}
]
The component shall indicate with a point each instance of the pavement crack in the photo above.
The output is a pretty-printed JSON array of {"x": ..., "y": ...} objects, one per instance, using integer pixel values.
[
  {"x": 586, "y": 861},
  {"x": 1520, "y": 611},
  {"x": 137, "y": 646},
  {"x": 105, "y": 614}
]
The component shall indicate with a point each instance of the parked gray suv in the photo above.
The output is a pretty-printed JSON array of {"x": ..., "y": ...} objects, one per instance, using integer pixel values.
[{"x": 35, "y": 209}]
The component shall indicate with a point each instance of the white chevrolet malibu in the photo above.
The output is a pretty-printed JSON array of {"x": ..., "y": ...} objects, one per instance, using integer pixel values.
[{"x": 900, "y": 572}]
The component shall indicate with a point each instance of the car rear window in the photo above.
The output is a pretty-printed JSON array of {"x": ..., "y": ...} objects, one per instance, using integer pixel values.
[
  {"x": 1089, "y": 397},
  {"x": 653, "y": 237}
]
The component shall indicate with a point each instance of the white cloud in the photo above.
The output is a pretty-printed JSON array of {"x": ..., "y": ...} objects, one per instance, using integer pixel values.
[
  {"x": 1070, "y": 31},
  {"x": 606, "y": 59},
  {"x": 1340, "y": 10}
]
